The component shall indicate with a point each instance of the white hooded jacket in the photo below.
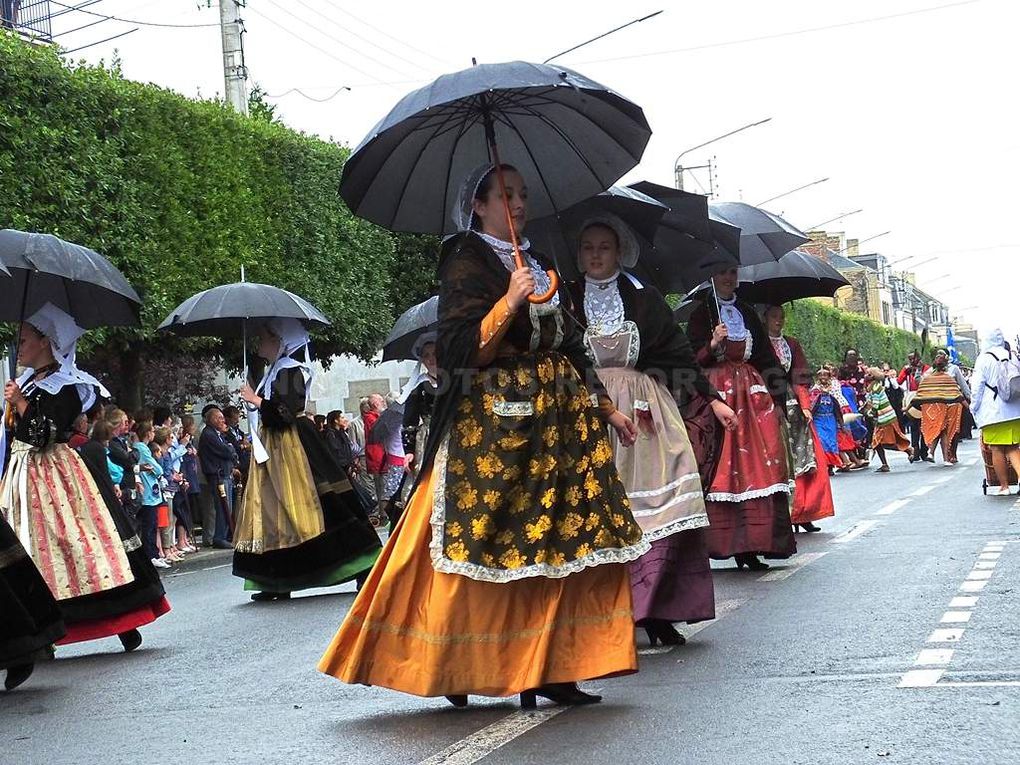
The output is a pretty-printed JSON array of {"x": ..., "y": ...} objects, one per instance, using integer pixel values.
[{"x": 989, "y": 409}]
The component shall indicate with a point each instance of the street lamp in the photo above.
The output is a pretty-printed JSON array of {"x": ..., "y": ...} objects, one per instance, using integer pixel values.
[
  {"x": 792, "y": 191},
  {"x": 678, "y": 169}
]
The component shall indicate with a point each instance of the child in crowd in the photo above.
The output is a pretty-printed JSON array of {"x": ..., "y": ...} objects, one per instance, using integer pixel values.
[{"x": 887, "y": 430}]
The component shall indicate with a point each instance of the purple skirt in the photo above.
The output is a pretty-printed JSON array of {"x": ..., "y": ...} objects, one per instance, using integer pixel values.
[{"x": 673, "y": 580}]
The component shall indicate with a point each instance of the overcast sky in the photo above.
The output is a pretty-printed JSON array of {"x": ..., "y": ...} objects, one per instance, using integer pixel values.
[{"x": 908, "y": 106}]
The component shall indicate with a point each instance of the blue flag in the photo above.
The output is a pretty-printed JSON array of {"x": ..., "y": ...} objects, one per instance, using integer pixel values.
[{"x": 951, "y": 346}]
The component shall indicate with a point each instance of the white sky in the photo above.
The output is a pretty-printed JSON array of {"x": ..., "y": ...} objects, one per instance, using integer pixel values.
[{"x": 913, "y": 118}]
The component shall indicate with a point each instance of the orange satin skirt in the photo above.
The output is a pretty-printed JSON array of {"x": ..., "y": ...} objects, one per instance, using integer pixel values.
[{"x": 415, "y": 630}]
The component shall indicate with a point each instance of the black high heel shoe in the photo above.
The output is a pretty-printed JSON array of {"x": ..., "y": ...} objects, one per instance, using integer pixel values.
[
  {"x": 130, "y": 640},
  {"x": 563, "y": 694},
  {"x": 662, "y": 630},
  {"x": 17, "y": 675},
  {"x": 751, "y": 561},
  {"x": 459, "y": 700},
  {"x": 807, "y": 527}
]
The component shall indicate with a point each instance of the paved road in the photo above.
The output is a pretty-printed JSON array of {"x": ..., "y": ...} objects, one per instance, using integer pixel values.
[{"x": 891, "y": 638}]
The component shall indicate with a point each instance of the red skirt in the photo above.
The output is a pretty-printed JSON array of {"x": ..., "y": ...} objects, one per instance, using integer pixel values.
[{"x": 94, "y": 629}]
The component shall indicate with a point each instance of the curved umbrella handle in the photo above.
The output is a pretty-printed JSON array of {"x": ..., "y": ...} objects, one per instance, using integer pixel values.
[{"x": 554, "y": 279}]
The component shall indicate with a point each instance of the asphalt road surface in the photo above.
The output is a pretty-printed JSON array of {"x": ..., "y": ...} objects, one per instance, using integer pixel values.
[{"x": 892, "y": 637}]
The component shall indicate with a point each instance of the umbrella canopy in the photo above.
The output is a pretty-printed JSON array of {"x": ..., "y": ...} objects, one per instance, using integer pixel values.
[
  {"x": 795, "y": 275},
  {"x": 687, "y": 247},
  {"x": 226, "y": 310},
  {"x": 412, "y": 324},
  {"x": 569, "y": 136},
  {"x": 41, "y": 268},
  {"x": 556, "y": 235},
  {"x": 764, "y": 236}
]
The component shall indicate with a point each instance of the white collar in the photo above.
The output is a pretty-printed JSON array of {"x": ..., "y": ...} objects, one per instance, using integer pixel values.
[{"x": 603, "y": 283}]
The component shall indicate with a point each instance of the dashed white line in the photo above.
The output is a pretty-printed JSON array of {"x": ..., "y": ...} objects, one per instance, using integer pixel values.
[
  {"x": 949, "y": 635},
  {"x": 984, "y": 565},
  {"x": 722, "y": 608},
  {"x": 943, "y": 479},
  {"x": 862, "y": 527},
  {"x": 955, "y": 617},
  {"x": 973, "y": 586},
  {"x": 794, "y": 565},
  {"x": 978, "y": 575},
  {"x": 490, "y": 738},
  {"x": 990, "y": 556},
  {"x": 934, "y": 657},
  {"x": 921, "y": 678},
  {"x": 922, "y": 490},
  {"x": 963, "y": 601},
  {"x": 893, "y": 506}
]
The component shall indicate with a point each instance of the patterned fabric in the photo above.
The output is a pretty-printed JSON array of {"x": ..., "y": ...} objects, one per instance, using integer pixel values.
[
  {"x": 880, "y": 405},
  {"x": 938, "y": 387},
  {"x": 532, "y": 492},
  {"x": 49, "y": 497},
  {"x": 733, "y": 319},
  {"x": 941, "y": 420},
  {"x": 603, "y": 304},
  {"x": 802, "y": 447},
  {"x": 783, "y": 351}
]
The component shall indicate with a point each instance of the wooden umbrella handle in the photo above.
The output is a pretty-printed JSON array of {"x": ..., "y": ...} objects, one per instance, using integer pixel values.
[{"x": 554, "y": 279}]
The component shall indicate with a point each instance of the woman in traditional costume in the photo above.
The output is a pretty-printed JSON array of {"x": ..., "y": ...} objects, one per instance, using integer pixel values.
[
  {"x": 505, "y": 574},
  {"x": 749, "y": 500},
  {"x": 812, "y": 494},
  {"x": 301, "y": 523},
  {"x": 31, "y": 618},
  {"x": 941, "y": 400},
  {"x": 644, "y": 361},
  {"x": 886, "y": 432},
  {"x": 76, "y": 533},
  {"x": 827, "y": 404}
]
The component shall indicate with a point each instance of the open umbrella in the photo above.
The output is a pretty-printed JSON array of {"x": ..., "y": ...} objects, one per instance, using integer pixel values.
[
  {"x": 412, "y": 324},
  {"x": 569, "y": 136},
  {"x": 764, "y": 236},
  {"x": 795, "y": 275},
  {"x": 556, "y": 235}
]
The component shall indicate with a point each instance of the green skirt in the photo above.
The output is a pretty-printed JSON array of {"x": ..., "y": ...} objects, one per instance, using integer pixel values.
[{"x": 1002, "y": 433}]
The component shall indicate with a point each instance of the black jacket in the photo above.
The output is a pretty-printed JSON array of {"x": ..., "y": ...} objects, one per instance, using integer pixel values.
[{"x": 217, "y": 457}]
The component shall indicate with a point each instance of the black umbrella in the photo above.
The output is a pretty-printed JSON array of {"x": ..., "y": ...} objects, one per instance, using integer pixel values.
[
  {"x": 412, "y": 324},
  {"x": 764, "y": 236},
  {"x": 556, "y": 235},
  {"x": 228, "y": 309},
  {"x": 45, "y": 269},
  {"x": 688, "y": 246}
]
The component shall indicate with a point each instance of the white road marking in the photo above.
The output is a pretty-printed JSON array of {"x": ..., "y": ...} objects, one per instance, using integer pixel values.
[
  {"x": 722, "y": 608},
  {"x": 862, "y": 527},
  {"x": 994, "y": 548},
  {"x": 990, "y": 556},
  {"x": 922, "y": 491},
  {"x": 198, "y": 570},
  {"x": 984, "y": 565},
  {"x": 955, "y": 617},
  {"x": 490, "y": 738},
  {"x": 977, "y": 575},
  {"x": 963, "y": 601},
  {"x": 996, "y": 543},
  {"x": 921, "y": 678},
  {"x": 934, "y": 657},
  {"x": 950, "y": 635},
  {"x": 973, "y": 586},
  {"x": 893, "y": 506},
  {"x": 943, "y": 479},
  {"x": 792, "y": 566}
]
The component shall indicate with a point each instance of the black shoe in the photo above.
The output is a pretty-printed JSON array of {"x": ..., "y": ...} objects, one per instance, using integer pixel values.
[
  {"x": 219, "y": 545},
  {"x": 751, "y": 561},
  {"x": 260, "y": 597},
  {"x": 17, "y": 675},
  {"x": 130, "y": 640},
  {"x": 660, "y": 630},
  {"x": 808, "y": 527},
  {"x": 563, "y": 694},
  {"x": 459, "y": 700},
  {"x": 930, "y": 459}
]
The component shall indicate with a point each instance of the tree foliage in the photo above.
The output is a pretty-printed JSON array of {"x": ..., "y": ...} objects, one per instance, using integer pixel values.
[{"x": 179, "y": 194}]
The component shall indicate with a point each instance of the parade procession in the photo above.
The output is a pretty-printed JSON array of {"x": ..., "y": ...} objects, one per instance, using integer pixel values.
[{"x": 405, "y": 449}]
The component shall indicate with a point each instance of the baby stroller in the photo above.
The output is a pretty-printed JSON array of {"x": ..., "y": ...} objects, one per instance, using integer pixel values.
[{"x": 990, "y": 479}]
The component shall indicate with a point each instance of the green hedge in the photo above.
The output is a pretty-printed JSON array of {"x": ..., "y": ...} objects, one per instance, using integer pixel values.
[
  {"x": 826, "y": 333},
  {"x": 180, "y": 193}
]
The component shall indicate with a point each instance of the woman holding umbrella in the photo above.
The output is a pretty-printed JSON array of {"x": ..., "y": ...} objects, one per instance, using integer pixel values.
[
  {"x": 103, "y": 583},
  {"x": 749, "y": 500},
  {"x": 512, "y": 542},
  {"x": 644, "y": 361},
  {"x": 301, "y": 524}
]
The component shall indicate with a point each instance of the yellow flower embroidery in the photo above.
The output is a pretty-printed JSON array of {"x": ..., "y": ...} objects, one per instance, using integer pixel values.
[
  {"x": 540, "y": 556},
  {"x": 456, "y": 466},
  {"x": 550, "y": 435},
  {"x": 457, "y": 552},
  {"x": 544, "y": 401},
  {"x": 591, "y": 486},
  {"x": 577, "y": 403},
  {"x": 512, "y": 474},
  {"x": 491, "y": 498},
  {"x": 573, "y": 496},
  {"x": 604, "y": 539},
  {"x": 512, "y": 442},
  {"x": 505, "y": 537},
  {"x": 523, "y": 377},
  {"x": 482, "y": 527},
  {"x": 519, "y": 501},
  {"x": 581, "y": 426},
  {"x": 569, "y": 525},
  {"x": 468, "y": 499},
  {"x": 619, "y": 520},
  {"x": 488, "y": 560},
  {"x": 470, "y": 433},
  {"x": 512, "y": 558},
  {"x": 535, "y": 531},
  {"x": 582, "y": 465},
  {"x": 487, "y": 402},
  {"x": 546, "y": 371},
  {"x": 542, "y": 466},
  {"x": 603, "y": 453},
  {"x": 548, "y": 497},
  {"x": 593, "y": 521},
  {"x": 561, "y": 398},
  {"x": 454, "y": 529},
  {"x": 488, "y": 466},
  {"x": 557, "y": 558},
  {"x": 582, "y": 550},
  {"x": 502, "y": 378}
]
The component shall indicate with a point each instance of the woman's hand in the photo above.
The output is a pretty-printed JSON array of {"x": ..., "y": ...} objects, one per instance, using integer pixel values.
[
  {"x": 624, "y": 427},
  {"x": 724, "y": 414},
  {"x": 807, "y": 414},
  {"x": 409, "y": 463},
  {"x": 719, "y": 336},
  {"x": 522, "y": 284},
  {"x": 250, "y": 397},
  {"x": 12, "y": 393}
]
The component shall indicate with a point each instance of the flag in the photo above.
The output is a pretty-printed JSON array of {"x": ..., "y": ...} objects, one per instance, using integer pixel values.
[{"x": 951, "y": 346}]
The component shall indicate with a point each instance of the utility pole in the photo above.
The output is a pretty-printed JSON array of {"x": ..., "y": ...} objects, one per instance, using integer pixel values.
[{"x": 235, "y": 73}]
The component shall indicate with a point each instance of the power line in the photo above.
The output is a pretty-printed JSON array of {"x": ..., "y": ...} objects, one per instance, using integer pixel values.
[
  {"x": 604, "y": 34},
  {"x": 301, "y": 93},
  {"x": 133, "y": 21},
  {"x": 98, "y": 42},
  {"x": 310, "y": 44},
  {"x": 388, "y": 35},
  {"x": 778, "y": 35},
  {"x": 360, "y": 37}
]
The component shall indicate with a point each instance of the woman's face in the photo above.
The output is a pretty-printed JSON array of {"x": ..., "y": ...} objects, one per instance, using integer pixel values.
[
  {"x": 33, "y": 349},
  {"x": 428, "y": 358},
  {"x": 490, "y": 210},
  {"x": 726, "y": 283},
  {"x": 269, "y": 346},
  {"x": 824, "y": 378},
  {"x": 774, "y": 320},
  {"x": 599, "y": 252}
]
